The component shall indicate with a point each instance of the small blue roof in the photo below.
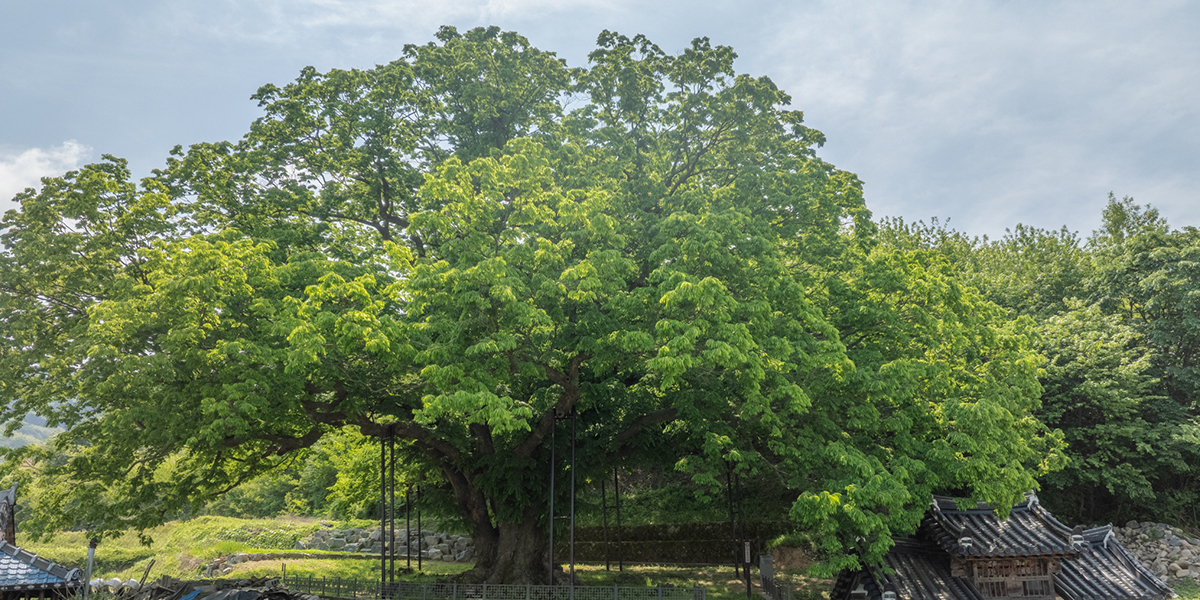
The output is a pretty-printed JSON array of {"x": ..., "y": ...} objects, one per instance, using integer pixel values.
[{"x": 23, "y": 570}]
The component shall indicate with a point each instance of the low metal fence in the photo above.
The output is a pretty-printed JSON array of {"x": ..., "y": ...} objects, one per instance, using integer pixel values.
[
  {"x": 337, "y": 587},
  {"x": 333, "y": 587}
]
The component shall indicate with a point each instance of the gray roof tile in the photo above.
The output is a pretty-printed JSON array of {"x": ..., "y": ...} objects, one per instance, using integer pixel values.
[
  {"x": 9, "y": 495},
  {"x": 1105, "y": 571},
  {"x": 920, "y": 571},
  {"x": 1093, "y": 567},
  {"x": 976, "y": 532},
  {"x": 23, "y": 570}
]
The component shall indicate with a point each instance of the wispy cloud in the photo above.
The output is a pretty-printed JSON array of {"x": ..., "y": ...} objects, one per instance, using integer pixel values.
[
  {"x": 991, "y": 112},
  {"x": 994, "y": 113},
  {"x": 25, "y": 169},
  {"x": 286, "y": 22}
]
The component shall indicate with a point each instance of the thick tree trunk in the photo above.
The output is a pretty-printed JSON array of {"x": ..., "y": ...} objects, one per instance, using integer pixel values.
[
  {"x": 516, "y": 553},
  {"x": 512, "y": 553}
]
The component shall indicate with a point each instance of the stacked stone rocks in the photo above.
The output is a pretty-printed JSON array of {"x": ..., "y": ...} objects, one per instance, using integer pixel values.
[
  {"x": 446, "y": 547},
  {"x": 430, "y": 545},
  {"x": 1166, "y": 551}
]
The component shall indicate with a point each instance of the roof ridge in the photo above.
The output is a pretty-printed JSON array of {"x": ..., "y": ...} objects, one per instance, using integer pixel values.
[
  {"x": 42, "y": 564},
  {"x": 1030, "y": 530}
]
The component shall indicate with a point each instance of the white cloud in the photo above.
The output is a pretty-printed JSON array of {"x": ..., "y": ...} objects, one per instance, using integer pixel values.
[
  {"x": 989, "y": 112},
  {"x": 25, "y": 169},
  {"x": 291, "y": 22},
  {"x": 994, "y": 113}
]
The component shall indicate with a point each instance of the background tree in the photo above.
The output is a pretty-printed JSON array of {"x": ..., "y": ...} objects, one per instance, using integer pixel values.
[
  {"x": 1028, "y": 271},
  {"x": 1115, "y": 321},
  {"x": 1147, "y": 275},
  {"x": 1127, "y": 442}
]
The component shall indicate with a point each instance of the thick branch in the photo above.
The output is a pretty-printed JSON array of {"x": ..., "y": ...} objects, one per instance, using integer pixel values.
[
  {"x": 472, "y": 502},
  {"x": 483, "y": 438},
  {"x": 436, "y": 448},
  {"x": 285, "y": 444},
  {"x": 569, "y": 382}
]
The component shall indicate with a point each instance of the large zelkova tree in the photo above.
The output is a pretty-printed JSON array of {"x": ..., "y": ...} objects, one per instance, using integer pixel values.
[{"x": 462, "y": 245}]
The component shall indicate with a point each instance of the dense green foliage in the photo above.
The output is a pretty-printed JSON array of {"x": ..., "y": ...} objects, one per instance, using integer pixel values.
[
  {"x": 1117, "y": 323},
  {"x": 467, "y": 246},
  {"x": 181, "y": 548}
]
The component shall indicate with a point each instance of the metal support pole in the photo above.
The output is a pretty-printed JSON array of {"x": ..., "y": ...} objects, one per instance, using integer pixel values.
[
  {"x": 420, "y": 531},
  {"x": 390, "y": 545},
  {"x": 748, "y": 592},
  {"x": 740, "y": 510},
  {"x": 617, "y": 494},
  {"x": 408, "y": 528},
  {"x": 553, "y": 433},
  {"x": 91, "y": 554},
  {"x": 604, "y": 519},
  {"x": 572, "y": 503},
  {"x": 382, "y": 509},
  {"x": 732, "y": 523}
]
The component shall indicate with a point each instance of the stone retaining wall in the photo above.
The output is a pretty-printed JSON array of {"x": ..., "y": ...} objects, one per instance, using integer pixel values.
[
  {"x": 448, "y": 547},
  {"x": 1166, "y": 551},
  {"x": 360, "y": 543}
]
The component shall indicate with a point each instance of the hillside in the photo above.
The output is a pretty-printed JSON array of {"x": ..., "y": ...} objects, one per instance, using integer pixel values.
[
  {"x": 179, "y": 548},
  {"x": 33, "y": 431}
]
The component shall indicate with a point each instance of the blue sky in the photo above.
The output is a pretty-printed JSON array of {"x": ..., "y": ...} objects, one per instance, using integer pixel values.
[{"x": 986, "y": 113}]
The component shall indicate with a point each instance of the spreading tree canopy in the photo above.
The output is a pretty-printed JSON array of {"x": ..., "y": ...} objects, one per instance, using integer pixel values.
[{"x": 463, "y": 244}]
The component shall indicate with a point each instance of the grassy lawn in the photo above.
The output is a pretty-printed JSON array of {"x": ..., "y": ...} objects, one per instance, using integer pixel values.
[
  {"x": 346, "y": 569},
  {"x": 719, "y": 582},
  {"x": 1187, "y": 590},
  {"x": 182, "y": 549}
]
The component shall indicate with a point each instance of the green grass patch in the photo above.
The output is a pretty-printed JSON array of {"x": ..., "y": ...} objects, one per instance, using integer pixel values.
[
  {"x": 275, "y": 534},
  {"x": 720, "y": 582},
  {"x": 181, "y": 549},
  {"x": 1187, "y": 589},
  {"x": 345, "y": 569}
]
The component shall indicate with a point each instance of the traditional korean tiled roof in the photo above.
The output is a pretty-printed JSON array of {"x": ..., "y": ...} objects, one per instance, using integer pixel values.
[
  {"x": 1092, "y": 563},
  {"x": 9, "y": 496},
  {"x": 976, "y": 532},
  {"x": 921, "y": 571},
  {"x": 1105, "y": 571},
  {"x": 23, "y": 570}
]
